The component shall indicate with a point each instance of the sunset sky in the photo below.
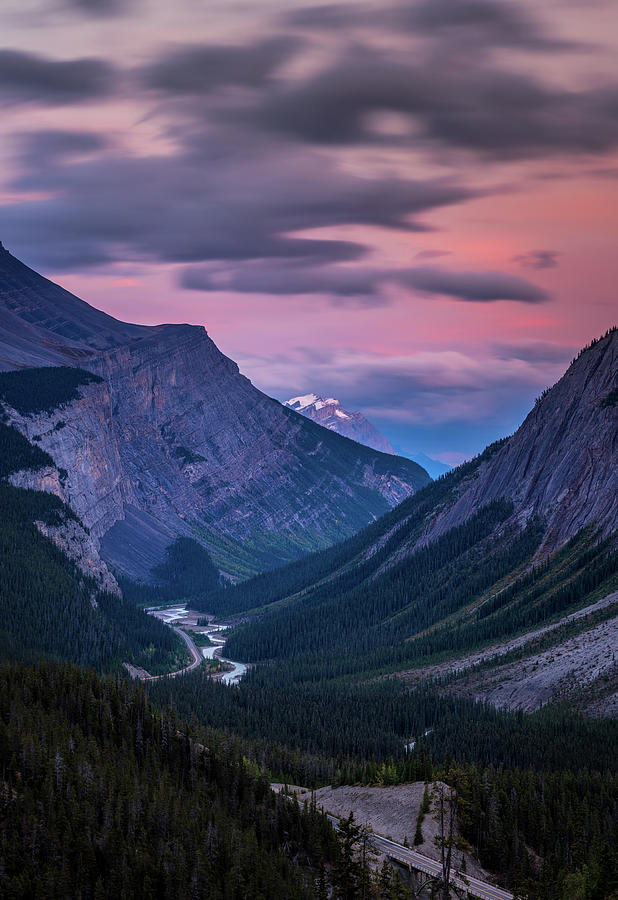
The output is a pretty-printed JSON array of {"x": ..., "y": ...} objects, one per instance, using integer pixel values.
[{"x": 410, "y": 206}]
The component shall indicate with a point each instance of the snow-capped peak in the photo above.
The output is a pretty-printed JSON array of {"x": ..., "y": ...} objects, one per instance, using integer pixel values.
[
  {"x": 299, "y": 403},
  {"x": 330, "y": 414},
  {"x": 307, "y": 400}
]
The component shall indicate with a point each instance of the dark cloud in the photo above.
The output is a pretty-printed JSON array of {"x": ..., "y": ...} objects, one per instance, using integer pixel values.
[
  {"x": 330, "y": 15},
  {"x": 482, "y": 22},
  {"x": 538, "y": 259},
  {"x": 266, "y": 278},
  {"x": 536, "y": 352},
  {"x": 361, "y": 282},
  {"x": 200, "y": 69},
  {"x": 231, "y": 199},
  {"x": 26, "y": 77},
  {"x": 100, "y": 8},
  {"x": 41, "y": 148},
  {"x": 502, "y": 23},
  {"x": 479, "y": 287},
  {"x": 455, "y": 98}
]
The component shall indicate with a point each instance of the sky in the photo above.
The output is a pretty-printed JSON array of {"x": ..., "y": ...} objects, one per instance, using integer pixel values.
[{"x": 411, "y": 206}]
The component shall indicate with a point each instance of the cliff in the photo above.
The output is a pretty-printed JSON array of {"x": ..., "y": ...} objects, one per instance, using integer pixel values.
[
  {"x": 562, "y": 462},
  {"x": 175, "y": 441}
]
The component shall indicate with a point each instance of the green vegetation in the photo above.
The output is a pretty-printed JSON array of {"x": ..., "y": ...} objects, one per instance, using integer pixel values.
[
  {"x": 422, "y": 812},
  {"x": 553, "y": 835},
  {"x": 373, "y": 617},
  {"x": 48, "y": 608},
  {"x": 199, "y": 638},
  {"x": 395, "y": 529},
  {"x": 362, "y": 725},
  {"x": 319, "y": 709},
  {"x": 43, "y": 389},
  {"x": 102, "y": 794},
  {"x": 595, "y": 341}
]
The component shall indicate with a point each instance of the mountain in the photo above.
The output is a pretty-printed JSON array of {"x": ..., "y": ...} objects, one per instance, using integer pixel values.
[
  {"x": 433, "y": 467},
  {"x": 162, "y": 438},
  {"x": 330, "y": 414},
  {"x": 562, "y": 462},
  {"x": 517, "y": 546},
  {"x": 58, "y": 600}
]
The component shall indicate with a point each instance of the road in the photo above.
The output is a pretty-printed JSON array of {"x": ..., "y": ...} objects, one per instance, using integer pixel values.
[
  {"x": 195, "y": 653},
  {"x": 409, "y": 857}
]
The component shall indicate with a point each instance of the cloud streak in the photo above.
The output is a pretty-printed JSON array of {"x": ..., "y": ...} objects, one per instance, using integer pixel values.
[
  {"x": 29, "y": 78},
  {"x": 538, "y": 259},
  {"x": 452, "y": 95},
  {"x": 216, "y": 199},
  {"x": 200, "y": 69},
  {"x": 364, "y": 283},
  {"x": 482, "y": 22}
]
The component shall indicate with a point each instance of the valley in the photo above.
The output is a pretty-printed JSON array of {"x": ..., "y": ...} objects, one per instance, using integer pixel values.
[
  {"x": 454, "y": 632},
  {"x": 308, "y": 450}
]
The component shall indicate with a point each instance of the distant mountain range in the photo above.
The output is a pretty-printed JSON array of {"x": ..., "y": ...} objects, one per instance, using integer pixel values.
[
  {"x": 330, "y": 413},
  {"x": 170, "y": 441},
  {"x": 433, "y": 466}
]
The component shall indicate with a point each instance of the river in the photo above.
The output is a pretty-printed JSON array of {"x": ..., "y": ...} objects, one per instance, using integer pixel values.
[
  {"x": 181, "y": 617},
  {"x": 232, "y": 677}
]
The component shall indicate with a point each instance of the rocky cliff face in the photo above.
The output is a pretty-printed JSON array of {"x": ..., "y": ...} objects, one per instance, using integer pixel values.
[
  {"x": 175, "y": 441},
  {"x": 562, "y": 463},
  {"x": 330, "y": 414}
]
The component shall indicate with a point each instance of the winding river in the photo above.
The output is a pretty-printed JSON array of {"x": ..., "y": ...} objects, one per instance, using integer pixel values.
[
  {"x": 181, "y": 618},
  {"x": 232, "y": 677}
]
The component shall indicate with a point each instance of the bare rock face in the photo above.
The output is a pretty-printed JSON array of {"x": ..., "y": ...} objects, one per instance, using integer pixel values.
[
  {"x": 208, "y": 455},
  {"x": 562, "y": 463},
  {"x": 80, "y": 438},
  {"x": 175, "y": 441},
  {"x": 71, "y": 536},
  {"x": 330, "y": 414},
  {"x": 43, "y": 325},
  {"x": 83, "y": 549}
]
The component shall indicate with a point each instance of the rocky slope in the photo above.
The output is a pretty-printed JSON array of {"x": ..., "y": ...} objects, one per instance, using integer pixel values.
[
  {"x": 562, "y": 463},
  {"x": 175, "y": 441},
  {"x": 330, "y": 414}
]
